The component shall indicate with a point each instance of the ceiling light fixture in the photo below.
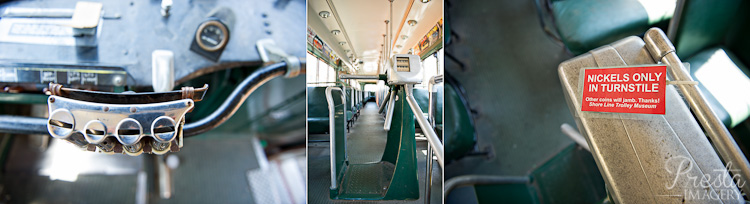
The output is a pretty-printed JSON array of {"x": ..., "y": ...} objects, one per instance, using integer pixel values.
[
  {"x": 335, "y": 32},
  {"x": 398, "y": 46},
  {"x": 324, "y": 14},
  {"x": 412, "y": 22},
  {"x": 425, "y": 1},
  {"x": 403, "y": 37},
  {"x": 342, "y": 43}
]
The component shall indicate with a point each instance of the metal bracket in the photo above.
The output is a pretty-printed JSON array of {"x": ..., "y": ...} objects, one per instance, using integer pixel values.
[
  {"x": 119, "y": 128},
  {"x": 269, "y": 52}
]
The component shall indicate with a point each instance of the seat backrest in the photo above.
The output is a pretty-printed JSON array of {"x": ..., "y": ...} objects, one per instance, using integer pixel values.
[
  {"x": 349, "y": 104},
  {"x": 422, "y": 97},
  {"x": 317, "y": 106},
  {"x": 737, "y": 39},
  {"x": 460, "y": 136},
  {"x": 698, "y": 24},
  {"x": 439, "y": 97}
]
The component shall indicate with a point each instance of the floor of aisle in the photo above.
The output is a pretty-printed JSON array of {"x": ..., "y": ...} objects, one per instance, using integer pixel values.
[{"x": 365, "y": 143}]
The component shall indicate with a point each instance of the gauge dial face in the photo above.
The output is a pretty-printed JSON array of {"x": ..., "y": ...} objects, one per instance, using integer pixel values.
[{"x": 212, "y": 35}]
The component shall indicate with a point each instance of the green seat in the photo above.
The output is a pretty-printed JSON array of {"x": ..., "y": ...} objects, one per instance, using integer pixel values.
[
  {"x": 708, "y": 35},
  {"x": 587, "y": 24},
  {"x": 423, "y": 100},
  {"x": 350, "y": 108},
  {"x": 317, "y": 110},
  {"x": 359, "y": 103},
  {"x": 460, "y": 135},
  {"x": 439, "y": 94},
  {"x": 364, "y": 98},
  {"x": 723, "y": 80}
]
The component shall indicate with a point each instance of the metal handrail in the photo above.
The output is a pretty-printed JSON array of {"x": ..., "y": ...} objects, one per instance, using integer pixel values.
[
  {"x": 364, "y": 77},
  {"x": 661, "y": 49},
  {"x": 430, "y": 134},
  {"x": 385, "y": 102},
  {"x": 331, "y": 127},
  {"x": 465, "y": 180},
  {"x": 431, "y": 108},
  {"x": 574, "y": 135}
]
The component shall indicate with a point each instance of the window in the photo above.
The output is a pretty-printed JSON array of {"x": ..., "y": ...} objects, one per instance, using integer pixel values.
[
  {"x": 322, "y": 71},
  {"x": 319, "y": 73},
  {"x": 331, "y": 74},
  {"x": 431, "y": 66},
  {"x": 311, "y": 65}
]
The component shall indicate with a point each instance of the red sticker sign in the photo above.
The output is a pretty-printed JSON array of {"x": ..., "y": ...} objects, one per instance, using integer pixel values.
[{"x": 625, "y": 90}]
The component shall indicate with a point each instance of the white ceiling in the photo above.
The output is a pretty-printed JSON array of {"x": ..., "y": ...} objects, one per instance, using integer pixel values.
[{"x": 363, "y": 23}]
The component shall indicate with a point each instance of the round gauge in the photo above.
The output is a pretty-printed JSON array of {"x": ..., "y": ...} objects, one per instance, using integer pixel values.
[{"x": 212, "y": 35}]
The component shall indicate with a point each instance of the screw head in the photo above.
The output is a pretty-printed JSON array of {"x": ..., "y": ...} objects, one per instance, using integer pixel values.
[{"x": 118, "y": 81}]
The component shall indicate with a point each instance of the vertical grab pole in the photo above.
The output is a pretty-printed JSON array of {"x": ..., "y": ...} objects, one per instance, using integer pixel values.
[
  {"x": 389, "y": 111},
  {"x": 331, "y": 129},
  {"x": 430, "y": 88},
  {"x": 662, "y": 50},
  {"x": 430, "y": 100},
  {"x": 426, "y": 127},
  {"x": 431, "y": 115},
  {"x": 428, "y": 175}
]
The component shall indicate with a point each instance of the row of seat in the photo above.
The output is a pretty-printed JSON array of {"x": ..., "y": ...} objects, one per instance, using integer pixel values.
[
  {"x": 317, "y": 108},
  {"x": 422, "y": 98},
  {"x": 354, "y": 104},
  {"x": 317, "y": 114}
]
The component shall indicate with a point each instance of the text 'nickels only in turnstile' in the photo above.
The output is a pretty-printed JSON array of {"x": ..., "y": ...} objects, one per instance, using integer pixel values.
[{"x": 624, "y": 89}]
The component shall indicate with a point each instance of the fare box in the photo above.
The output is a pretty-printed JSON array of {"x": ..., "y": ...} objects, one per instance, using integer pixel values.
[{"x": 638, "y": 89}]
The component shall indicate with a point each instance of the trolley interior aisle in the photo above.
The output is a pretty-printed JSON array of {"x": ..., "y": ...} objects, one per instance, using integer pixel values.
[
  {"x": 366, "y": 143},
  {"x": 375, "y": 101}
]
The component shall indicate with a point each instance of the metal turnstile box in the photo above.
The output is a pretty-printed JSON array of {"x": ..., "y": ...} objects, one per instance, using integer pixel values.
[{"x": 647, "y": 158}]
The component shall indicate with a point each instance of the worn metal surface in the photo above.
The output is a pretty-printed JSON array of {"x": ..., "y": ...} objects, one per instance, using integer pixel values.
[
  {"x": 647, "y": 158},
  {"x": 662, "y": 50},
  {"x": 34, "y": 76}
]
